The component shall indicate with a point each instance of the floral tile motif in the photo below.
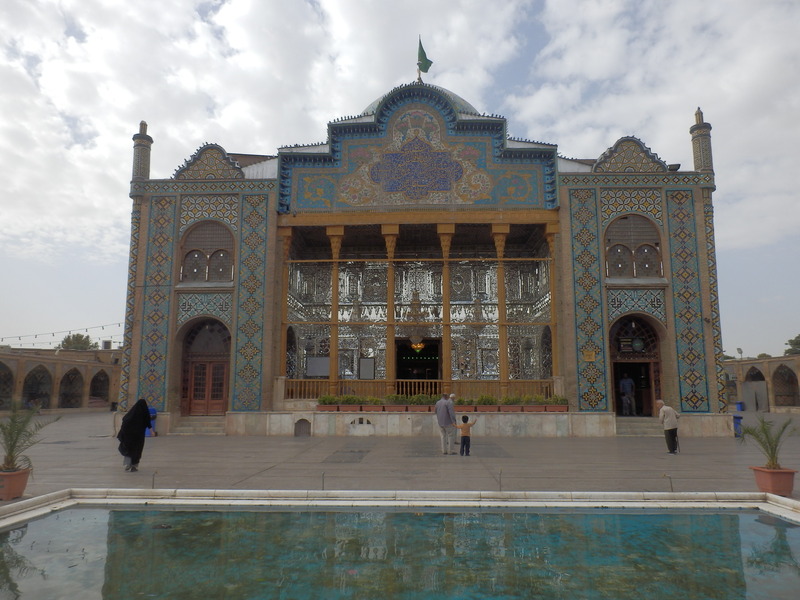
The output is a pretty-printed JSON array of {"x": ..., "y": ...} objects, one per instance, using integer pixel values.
[
  {"x": 687, "y": 302},
  {"x": 588, "y": 308}
]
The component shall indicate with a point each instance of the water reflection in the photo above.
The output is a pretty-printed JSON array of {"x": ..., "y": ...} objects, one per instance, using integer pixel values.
[{"x": 388, "y": 554}]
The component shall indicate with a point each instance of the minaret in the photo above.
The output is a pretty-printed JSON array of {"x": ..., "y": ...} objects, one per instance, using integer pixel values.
[
  {"x": 141, "y": 153},
  {"x": 701, "y": 143}
]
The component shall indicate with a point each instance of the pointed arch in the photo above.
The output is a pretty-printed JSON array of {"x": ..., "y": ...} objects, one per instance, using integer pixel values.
[
  {"x": 6, "y": 386},
  {"x": 70, "y": 390},
  {"x": 784, "y": 387},
  {"x": 99, "y": 388},
  {"x": 37, "y": 388}
]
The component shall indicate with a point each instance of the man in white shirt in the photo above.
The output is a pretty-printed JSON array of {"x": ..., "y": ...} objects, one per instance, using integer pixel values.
[{"x": 669, "y": 418}]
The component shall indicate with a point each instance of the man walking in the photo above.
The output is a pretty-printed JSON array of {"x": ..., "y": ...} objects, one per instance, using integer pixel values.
[
  {"x": 446, "y": 418},
  {"x": 669, "y": 418}
]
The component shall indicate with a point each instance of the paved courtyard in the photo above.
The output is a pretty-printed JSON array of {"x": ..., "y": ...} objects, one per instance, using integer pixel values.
[{"x": 80, "y": 451}]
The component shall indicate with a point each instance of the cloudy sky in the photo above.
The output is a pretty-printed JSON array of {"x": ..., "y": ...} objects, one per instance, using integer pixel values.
[{"x": 77, "y": 76}]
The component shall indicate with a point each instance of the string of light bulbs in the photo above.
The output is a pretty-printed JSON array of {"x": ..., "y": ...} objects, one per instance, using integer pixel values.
[{"x": 49, "y": 337}]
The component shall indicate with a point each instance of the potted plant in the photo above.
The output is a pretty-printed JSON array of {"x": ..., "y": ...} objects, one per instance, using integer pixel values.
[
  {"x": 537, "y": 403},
  {"x": 421, "y": 403},
  {"x": 486, "y": 403},
  {"x": 771, "y": 478},
  {"x": 511, "y": 404},
  {"x": 557, "y": 403},
  {"x": 328, "y": 403},
  {"x": 19, "y": 431}
]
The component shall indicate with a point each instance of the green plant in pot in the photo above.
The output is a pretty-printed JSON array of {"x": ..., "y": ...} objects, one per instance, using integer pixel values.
[
  {"x": 19, "y": 431},
  {"x": 769, "y": 438}
]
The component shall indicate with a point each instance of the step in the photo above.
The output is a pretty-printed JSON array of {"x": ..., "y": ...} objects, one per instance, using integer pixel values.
[
  {"x": 639, "y": 426},
  {"x": 199, "y": 426}
]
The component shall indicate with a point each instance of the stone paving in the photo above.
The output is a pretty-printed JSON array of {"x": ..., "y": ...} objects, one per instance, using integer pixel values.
[{"x": 79, "y": 451}]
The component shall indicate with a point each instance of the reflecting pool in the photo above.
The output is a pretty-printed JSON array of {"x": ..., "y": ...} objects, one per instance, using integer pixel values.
[{"x": 374, "y": 553}]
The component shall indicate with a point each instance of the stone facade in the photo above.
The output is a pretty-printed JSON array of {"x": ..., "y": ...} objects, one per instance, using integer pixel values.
[{"x": 421, "y": 250}]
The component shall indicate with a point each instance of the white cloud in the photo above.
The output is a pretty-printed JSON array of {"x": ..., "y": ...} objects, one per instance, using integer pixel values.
[{"x": 253, "y": 75}]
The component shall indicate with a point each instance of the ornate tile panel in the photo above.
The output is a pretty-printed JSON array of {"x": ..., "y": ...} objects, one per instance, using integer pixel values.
[
  {"x": 687, "y": 302},
  {"x": 161, "y": 237},
  {"x": 621, "y": 301},
  {"x": 130, "y": 300},
  {"x": 417, "y": 153},
  {"x": 645, "y": 201},
  {"x": 708, "y": 211},
  {"x": 636, "y": 179},
  {"x": 209, "y": 162},
  {"x": 217, "y": 305},
  {"x": 629, "y": 155},
  {"x": 247, "y": 360},
  {"x": 221, "y": 207},
  {"x": 589, "y": 321}
]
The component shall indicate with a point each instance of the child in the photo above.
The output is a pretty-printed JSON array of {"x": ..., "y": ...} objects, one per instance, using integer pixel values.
[{"x": 465, "y": 427}]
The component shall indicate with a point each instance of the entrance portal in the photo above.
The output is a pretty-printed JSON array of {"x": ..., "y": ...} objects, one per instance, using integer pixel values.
[
  {"x": 418, "y": 367},
  {"x": 206, "y": 364},
  {"x": 635, "y": 352}
]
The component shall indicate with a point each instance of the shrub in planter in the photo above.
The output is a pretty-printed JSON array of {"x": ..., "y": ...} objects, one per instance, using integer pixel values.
[
  {"x": 771, "y": 478},
  {"x": 328, "y": 400}
]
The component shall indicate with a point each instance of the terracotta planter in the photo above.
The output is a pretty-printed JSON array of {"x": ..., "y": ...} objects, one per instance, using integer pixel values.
[
  {"x": 465, "y": 408},
  {"x": 510, "y": 408},
  {"x": 419, "y": 408},
  {"x": 349, "y": 408},
  {"x": 556, "y": 408},
  {"x": 13, "y": 483},
  {"x": 395, "y": 408},
  {"x": 486, "y": 407},
  {"x": 328, "y": 407},
  {"x": 533, "y": 408},
  {"x": 774, "y": 481},
  {"x": 371, "y": 408}
]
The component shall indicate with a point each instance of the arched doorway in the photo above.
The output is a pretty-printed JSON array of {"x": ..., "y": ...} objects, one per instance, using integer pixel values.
[
  {"x": 784, "y": 387},
  {"x": 6, "y": 386},
  {"x": 205, "y": 369},
  {"x": 754, "y": 391},
  {"x": 36, "y": 388},
  {"x": 99, "y": 389},
  {"x": 70, "y": 390},
  {"x": 635, "y": 353}
]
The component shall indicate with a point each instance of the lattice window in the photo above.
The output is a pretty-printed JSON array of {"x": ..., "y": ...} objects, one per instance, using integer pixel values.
[
  {"x": 208, "y": 253},
  {"x": 647, "y": 261},
  {"x": 220, "y": 266},
  {"x": 784, "y": 385},
  {"x": 634, "y": 339},
  {"x": 633, "y": 248},
  {"x": 619, "y": 261},
  {"x": 194, "y": 266}
]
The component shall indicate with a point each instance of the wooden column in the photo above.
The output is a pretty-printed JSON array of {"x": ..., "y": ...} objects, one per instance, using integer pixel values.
[
  {"x": 390, "y": 234},
  {"x": 335, "y": 235},
  {"x": 499, "y": 233},
  {"x": 551, "y": 275},
  {"x": 446, "y": 231},
  {"x": 285, "y": 236}
]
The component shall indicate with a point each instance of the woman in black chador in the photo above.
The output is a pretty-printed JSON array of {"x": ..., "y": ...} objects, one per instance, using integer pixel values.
[{"x": 131, "y": 434}]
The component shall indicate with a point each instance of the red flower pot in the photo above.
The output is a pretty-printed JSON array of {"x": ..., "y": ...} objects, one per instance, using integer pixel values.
[
  {"x": 395, "y": 408},
  {"x": 486, "y": 407},
  {"x": 328, "y": 407},
  {"x": 774, "y": 481},
  {"x": 557, "y": 408},
  {"x": 371, "y": 408},
  {"x": 13, "y": 483}
]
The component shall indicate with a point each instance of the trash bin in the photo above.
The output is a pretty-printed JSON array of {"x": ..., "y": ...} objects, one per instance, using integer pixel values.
[
  {"x": 153, "y": 415},
  {"x": 737, "y": 425},
  {"x": 740, "y": 406}
]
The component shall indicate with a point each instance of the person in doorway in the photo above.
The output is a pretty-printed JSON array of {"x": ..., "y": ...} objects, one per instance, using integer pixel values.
[
  {"x": 669, "y": 419},
  {"x": 465, "y": 428},
  {"x": 131, "y": 434},
  {"x": 446, "y": 418},
  {"x": 627, "y": 390}
]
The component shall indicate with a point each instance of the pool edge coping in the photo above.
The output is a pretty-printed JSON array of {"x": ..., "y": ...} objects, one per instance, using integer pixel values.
[{"x": 30, "y": 508}]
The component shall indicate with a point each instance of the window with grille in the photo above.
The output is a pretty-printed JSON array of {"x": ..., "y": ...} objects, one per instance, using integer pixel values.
[
  {"x": 633, "y": 248},
  {"x": 208, "y": 253}
]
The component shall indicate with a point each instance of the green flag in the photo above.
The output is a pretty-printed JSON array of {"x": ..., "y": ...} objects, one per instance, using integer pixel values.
[{"x": 423, "y": 64}]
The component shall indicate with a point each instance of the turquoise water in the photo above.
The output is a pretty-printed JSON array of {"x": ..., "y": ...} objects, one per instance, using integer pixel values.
[{"x": 285, "y": 554}]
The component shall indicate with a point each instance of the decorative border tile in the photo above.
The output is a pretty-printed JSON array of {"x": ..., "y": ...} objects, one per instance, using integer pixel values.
[
  {"x": 687, "y": 302},
  {"x": 589, "y": 321}
]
